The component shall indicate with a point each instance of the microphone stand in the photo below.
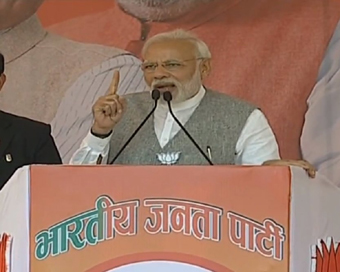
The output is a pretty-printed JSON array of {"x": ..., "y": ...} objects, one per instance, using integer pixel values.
[
  {"x": 167, "y": 96},
  {"x": 155, "y": 96}
]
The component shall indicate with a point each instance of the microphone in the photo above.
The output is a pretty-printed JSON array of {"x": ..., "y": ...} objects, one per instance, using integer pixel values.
[
  {"x": 167, "y": 96},
  {"x": 155, "y": 96}
]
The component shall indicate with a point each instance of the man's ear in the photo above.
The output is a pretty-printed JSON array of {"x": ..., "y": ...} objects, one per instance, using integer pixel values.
[
  {"x": 205, "y": 68},
  {"x": 2, "y": 80}
]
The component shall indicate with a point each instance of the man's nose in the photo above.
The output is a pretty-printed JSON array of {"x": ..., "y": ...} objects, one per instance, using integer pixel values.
[{"x": 160, "y": 72}]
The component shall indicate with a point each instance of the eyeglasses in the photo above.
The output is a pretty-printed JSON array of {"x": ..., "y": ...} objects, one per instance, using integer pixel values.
[{"x": 170, "y": 65}]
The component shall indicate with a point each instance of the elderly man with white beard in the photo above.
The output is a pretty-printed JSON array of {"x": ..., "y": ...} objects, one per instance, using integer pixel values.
[{"x": 233, "y": 131}]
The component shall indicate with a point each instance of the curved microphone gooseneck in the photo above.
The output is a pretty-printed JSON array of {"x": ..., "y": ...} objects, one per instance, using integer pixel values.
[
  {"x": 167, "y": 96},
  {"x": 155, "y": 96}
]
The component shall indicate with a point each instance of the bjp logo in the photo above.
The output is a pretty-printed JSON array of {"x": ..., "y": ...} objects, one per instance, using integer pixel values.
[
  {"x": 326, "y": 257},
  {"x": 5, "y": 243}
]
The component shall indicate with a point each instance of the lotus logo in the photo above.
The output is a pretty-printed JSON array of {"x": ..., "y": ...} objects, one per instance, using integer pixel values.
[
  {"x": 326, "y": 256},
  {"x": 5, "y": 243},
  {"x": 168, "y": 158}
]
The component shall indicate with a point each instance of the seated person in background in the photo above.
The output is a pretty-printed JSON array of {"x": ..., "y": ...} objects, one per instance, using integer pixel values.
[
  {"x": 23, "y": 141},
  {"x": 235, "y": 132}
]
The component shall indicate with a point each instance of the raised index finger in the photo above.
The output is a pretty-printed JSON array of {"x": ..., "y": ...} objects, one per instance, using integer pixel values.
[{"x": 115, "y": 82}]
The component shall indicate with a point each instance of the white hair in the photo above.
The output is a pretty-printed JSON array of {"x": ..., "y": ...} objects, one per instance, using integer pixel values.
[{"x": 180, "y": 34}]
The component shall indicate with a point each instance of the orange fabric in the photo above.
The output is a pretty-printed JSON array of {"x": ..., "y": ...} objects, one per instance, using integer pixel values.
[
  {"x": 329, "y": 259},
  {"x": 139, "y": 235}
]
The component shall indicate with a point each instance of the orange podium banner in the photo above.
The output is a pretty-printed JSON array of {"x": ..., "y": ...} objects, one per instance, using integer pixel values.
[{"x": 154, "y": 218}]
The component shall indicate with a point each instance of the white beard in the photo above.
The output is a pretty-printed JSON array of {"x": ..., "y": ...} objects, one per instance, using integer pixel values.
[{"x": 185, "y": 90}]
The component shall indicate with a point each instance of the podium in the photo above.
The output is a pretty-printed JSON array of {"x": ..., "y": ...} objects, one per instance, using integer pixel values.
[{"x": 169, "y": 218}]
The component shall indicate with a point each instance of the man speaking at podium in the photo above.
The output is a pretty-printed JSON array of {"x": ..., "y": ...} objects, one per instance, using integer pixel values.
[
  {"x": 224, "y": 130},
  {"x": 188, "y": 125},
  {"x": 23, "y": 141}
]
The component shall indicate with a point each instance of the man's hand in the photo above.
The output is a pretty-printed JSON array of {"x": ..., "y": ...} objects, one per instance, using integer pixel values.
[
  {"x": 109, "y": 109},
  {"x": 310, "y": 169}
]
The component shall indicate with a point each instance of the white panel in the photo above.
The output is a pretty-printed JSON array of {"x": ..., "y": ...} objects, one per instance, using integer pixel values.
[
  {"x": 315, "y": 215},
  {"x": 14, "y": 218}
]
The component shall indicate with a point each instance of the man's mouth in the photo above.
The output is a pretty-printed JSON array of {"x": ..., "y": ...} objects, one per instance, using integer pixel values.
[{"x": 166, "y": 87}]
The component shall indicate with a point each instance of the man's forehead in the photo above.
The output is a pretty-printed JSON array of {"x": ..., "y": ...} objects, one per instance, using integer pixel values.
[{"x": 170, "y": 50}]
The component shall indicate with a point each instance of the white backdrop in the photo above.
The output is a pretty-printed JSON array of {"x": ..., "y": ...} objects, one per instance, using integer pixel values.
[{"x": 159, "y": 266}]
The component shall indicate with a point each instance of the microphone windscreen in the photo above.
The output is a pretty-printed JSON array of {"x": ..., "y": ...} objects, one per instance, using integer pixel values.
[
  {"x": 155, "y": 94},
  {"x": 167, "y": 96}
]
